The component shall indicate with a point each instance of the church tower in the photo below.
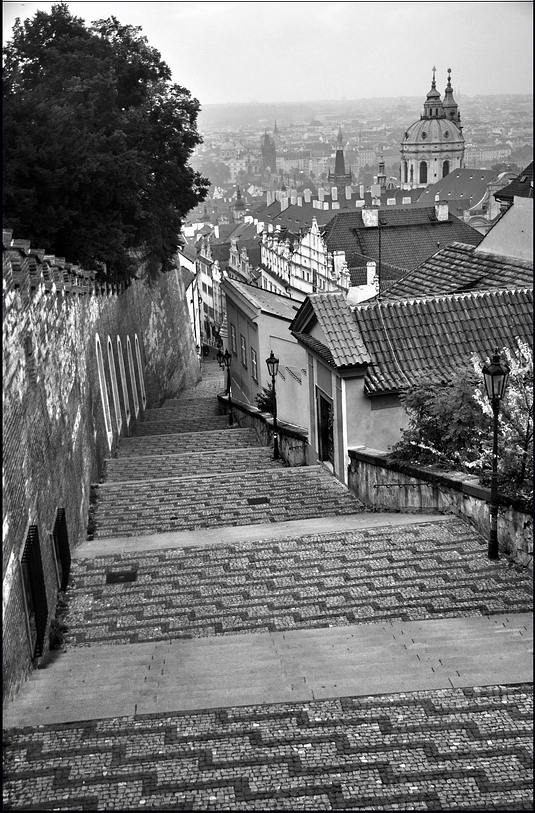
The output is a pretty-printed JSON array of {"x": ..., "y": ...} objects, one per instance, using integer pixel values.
[
  {"x": 340, "y": 178},
  {"x": 433, "y": 146},
  {"x": 268, "y": 154}
]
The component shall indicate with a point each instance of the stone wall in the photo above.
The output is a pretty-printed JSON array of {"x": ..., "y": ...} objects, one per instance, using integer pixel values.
[
  {"x": 55, "y": 433},
  {"x": 395, "y": 487},
  {"x": 293, "y": 440}
]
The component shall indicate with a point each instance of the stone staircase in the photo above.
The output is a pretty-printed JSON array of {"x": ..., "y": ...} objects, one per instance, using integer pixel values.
[{"x": 184, "y": 468}]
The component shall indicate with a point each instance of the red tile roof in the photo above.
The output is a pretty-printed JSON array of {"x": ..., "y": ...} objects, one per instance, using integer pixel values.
[
  {"x": 430, "y": 337},
  {"x": 458, "y": 268},
  {"x": 403, "y": 341},
  {"x": 408, "y": 236}
]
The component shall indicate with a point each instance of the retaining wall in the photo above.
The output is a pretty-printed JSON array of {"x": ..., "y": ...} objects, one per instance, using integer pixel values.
[
  {"x": 293, "y": 440},
  {"x": 396, "y": 487}
]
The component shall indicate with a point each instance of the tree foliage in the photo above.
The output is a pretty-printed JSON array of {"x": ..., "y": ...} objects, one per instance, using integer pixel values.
[
  {"x": 451, "y": 426},
  {"x": 96, "y": 143},
  {"x": 265, "y": 399}
]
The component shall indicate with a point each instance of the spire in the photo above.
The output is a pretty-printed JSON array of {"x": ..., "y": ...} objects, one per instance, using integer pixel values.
[
  {"x": 275, "y": 130},
  {"x": 433, "y": 103},
  {"x": 381, "y": 176},
  {"x": 340, "y": 140},
  {"x": 450, "y": 106}
]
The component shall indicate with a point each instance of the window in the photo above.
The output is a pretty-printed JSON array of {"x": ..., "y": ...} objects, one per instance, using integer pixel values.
[
  {"x": 114, "y": 388},
  {"x": 132, "y": 376},
  {"x": 33, "y": 586},
  {"x": 140, "y": 372},
  {"x": 104, "y": 392},
  {"x": 233, "y": 340},
  {"x": 62, "y": 553},
  {"x": 445, "y": 168},
  {"x": 254, "y": 364},
  {"x": 123, "y": 381},
  {"x": 243, "y": 351},
  {"x": 423, "y": 172}
]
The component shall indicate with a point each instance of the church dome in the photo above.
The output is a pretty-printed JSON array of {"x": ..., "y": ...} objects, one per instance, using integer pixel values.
[
  {"x": 227, "y": 146},
  {"x": 431, "y": 131}
]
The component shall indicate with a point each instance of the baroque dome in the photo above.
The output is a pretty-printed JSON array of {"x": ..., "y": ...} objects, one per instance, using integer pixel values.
[{"x": 432, "y": 131}]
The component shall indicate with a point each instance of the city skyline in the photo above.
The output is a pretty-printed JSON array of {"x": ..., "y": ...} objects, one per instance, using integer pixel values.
[{"x": 287, "y": 52}]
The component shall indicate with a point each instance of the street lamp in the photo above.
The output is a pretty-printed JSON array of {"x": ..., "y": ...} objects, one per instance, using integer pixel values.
[
  {"x": 273, "y": 368},
  {"x": 495, "y": 376},
  {"x": 227, "y": 360}
]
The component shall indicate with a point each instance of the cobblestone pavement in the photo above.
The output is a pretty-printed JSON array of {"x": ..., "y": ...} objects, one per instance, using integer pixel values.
[
  {"x": 438, "y": 570},
  {"x": 235, "y": 498},
  {"x": 452, "y": 749},
  {"x": 222, "y": 440}
]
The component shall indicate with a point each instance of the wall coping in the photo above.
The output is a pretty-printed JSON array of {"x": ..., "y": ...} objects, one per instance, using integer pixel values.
[
  {"x": 456, "y": 480},
  {"x": 287, "y": 428}
]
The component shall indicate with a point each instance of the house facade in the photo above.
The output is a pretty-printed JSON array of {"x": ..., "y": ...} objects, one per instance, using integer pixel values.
[
  {"x": 257, "y": 323},
  {"x": 360, "y": 359}
]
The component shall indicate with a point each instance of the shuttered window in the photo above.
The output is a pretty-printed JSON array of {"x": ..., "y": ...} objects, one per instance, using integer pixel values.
[
  {"x": 62, "y": 551},
  {"x": 34, "y": 591}
]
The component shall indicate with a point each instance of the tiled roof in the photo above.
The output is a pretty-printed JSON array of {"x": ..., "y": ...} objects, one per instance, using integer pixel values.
[
  {"x": 335, "y": 318},
  {"x": 338, "y": 325},
  {"x": 408, "y": 236},
  {"x": 469, "y": 185},
  {"x": 521, "y": 186},
  {"x": 428, "y": 338},
  {"x": 316, "y": 346},
  {"x": 266, "y": 301},
  {"x": 461, "y": 267}
]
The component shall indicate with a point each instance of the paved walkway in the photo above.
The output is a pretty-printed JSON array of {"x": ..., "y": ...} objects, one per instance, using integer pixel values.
[{"x": 338, "y": 660}]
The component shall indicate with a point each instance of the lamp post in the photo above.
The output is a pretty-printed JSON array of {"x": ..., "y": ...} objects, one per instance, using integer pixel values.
[
  {"x": 495, "y": 376},
  {"x": 273, "y": 368},
  {"x": 227, "y": 360}
]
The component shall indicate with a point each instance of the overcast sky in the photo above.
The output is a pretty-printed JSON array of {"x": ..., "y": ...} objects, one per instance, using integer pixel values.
[{"x": 306, "y": 51}]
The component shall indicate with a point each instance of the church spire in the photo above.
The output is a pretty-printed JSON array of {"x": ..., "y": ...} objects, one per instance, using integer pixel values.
[
  {"x": 433, "y": 104},
  {"x": 450, "y": 106}
]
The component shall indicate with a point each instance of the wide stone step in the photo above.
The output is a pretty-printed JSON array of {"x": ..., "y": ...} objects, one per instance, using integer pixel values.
[
  {"x": 239, "y": 498},
  {"x": 149, "y": 467},
  {"x": 195, "y": 410},
  {"x": 187, "y": 442},
  {"x": 416, "y": 572},
  {"x": 175, "y": 426}
]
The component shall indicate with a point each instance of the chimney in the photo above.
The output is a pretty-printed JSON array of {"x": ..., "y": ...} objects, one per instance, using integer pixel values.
[
  {"x": 442, "y": 210},
  {"x": 361, "y": 190},
  {"x": 334, "y": 193},
  {"x": 307, "y": 195},
  {"x": 269, "y": 200},
  {"x": 348, "y": 193},
  {"x": 299, "y": 200},
  {"x": 370, "y": 216},
  {"x": 293, "y": 197},
  {"x": 216, "y": 232},
  {"x": 321, "y": 194},
  {"x": 284, "y": 202},
  {"x": 371, "y": 270},
  {"x": 259, "y": 227}
]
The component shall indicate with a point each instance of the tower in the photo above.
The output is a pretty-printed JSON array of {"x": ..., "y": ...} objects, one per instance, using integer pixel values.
[
  {"x": 340, "y": 178},
  {"x": 433, "y": 146},
  {"x": 268, "y": 154}
]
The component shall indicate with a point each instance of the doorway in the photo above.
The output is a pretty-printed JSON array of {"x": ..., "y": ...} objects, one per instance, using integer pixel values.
[{"x": 326, "y": 430}]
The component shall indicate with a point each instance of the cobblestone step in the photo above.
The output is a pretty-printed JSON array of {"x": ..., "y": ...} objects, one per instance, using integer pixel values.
[
  {"x": 187, "y": 442},
  {"x": 450, "y": 749},
  {"x": 187, "y": 411},
  {"x": 232, "y": 499},
  {"x": 175, "y": 427},
  {"x": 149, "y": 467},
  {"x": 437, "y": 570}
]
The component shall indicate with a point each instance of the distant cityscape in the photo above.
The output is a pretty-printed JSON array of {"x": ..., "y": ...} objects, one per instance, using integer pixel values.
[{"x": 496, "y": 129}]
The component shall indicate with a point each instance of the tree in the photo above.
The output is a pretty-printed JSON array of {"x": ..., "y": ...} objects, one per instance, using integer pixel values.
[{"x": 96, "y": 145}]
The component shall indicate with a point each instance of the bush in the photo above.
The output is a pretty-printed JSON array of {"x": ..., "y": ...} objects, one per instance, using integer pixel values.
[{"x": 265, "y": 399}]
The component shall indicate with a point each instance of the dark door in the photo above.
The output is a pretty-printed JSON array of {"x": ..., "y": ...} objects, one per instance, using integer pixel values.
[{"x": 326, "y": 437}]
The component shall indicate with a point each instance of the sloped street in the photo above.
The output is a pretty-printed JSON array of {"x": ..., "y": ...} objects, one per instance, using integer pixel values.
[{"x": 246, "y": 636}]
